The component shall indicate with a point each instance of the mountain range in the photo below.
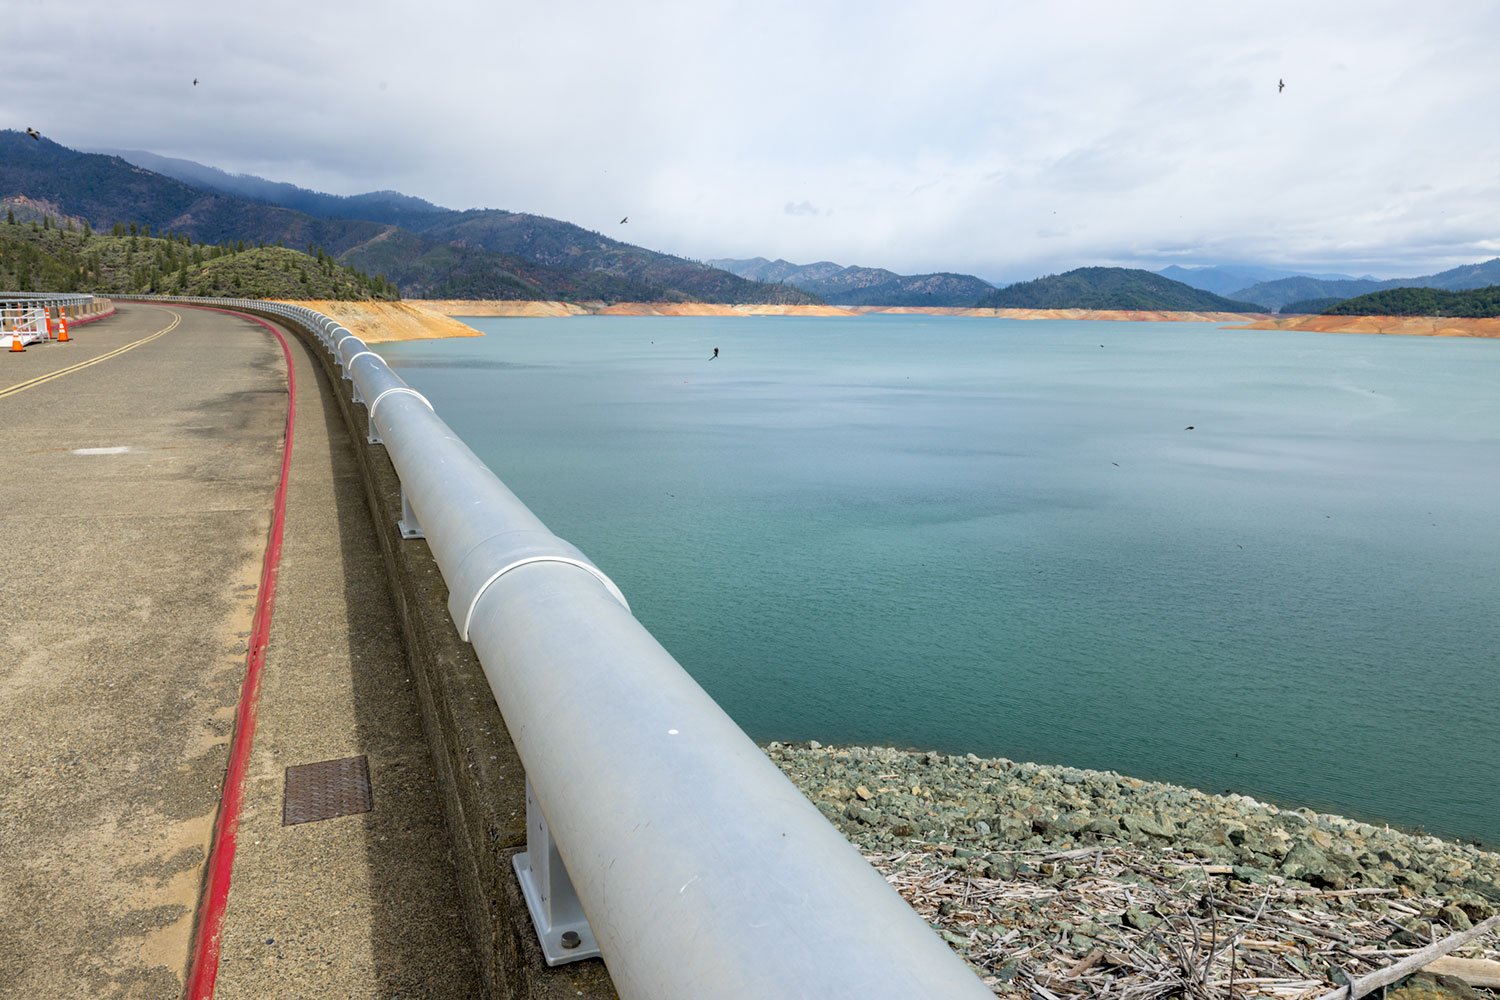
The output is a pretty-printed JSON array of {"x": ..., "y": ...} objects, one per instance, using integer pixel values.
[
  {"x": 485, "y": 253},
  {"x": 863, "y": 286},
  {"x": 1289, "y": 291},
  {"x": 1229, "y": 279},
  {"x": 1299, "y": 294},
  {"x": 435, "y": 252}
]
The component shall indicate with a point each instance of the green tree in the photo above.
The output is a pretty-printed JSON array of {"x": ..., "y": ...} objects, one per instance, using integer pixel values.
[{"x": 10, "y": 217}]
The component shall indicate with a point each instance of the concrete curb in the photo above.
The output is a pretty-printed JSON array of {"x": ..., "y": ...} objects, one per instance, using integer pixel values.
[{"x": 479, "y": 774}]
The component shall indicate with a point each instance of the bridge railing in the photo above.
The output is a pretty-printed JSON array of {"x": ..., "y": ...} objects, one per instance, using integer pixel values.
[{"x": 659, "y": 834}]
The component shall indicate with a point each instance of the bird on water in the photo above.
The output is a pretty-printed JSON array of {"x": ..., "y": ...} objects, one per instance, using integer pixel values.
[{"x": 715, "y": 354}]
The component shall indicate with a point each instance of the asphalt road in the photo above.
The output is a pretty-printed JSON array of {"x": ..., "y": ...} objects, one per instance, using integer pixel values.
[{"x": 135, "y": 494}]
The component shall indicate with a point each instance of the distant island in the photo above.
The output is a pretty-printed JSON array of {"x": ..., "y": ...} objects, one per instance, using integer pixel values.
[{"x": 1111, "y": 288}]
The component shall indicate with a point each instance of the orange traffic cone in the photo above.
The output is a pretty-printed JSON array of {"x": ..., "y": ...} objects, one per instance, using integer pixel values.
[
  {"x": 62, "y": 338},
  {"x": 15, "y": 344},
  {"x": 48, "y": 314}
]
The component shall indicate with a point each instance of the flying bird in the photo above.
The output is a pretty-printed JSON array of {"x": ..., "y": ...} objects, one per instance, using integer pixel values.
[
  {"x": 34, "y": 133},
  {"x": 1188, "y": 427},
  {"x": 624, "y": 220},
  {"x": 1280, "y": 86},
  {"x": 195, "y": 81},
  {"x": 715, "y": 354}
]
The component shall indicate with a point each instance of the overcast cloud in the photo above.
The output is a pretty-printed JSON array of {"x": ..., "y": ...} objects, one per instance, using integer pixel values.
[{"x": 1002, "y": 139}]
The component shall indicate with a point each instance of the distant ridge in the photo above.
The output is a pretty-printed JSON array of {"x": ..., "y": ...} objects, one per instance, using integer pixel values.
[
  {"x": 1228, "y": 279},
  {"x": 1284, "y": 292},
  {"x": 442, "y": 254},
  {"x": 375, "y": 206},
  {"x": 1111, "y": 288},
  {"x": 839, "y": 285}
]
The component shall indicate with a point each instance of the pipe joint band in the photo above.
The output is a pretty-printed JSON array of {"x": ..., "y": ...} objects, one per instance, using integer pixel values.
[
  {"x": 397, "y": 390},
  {"x": 592, "y": 570}
]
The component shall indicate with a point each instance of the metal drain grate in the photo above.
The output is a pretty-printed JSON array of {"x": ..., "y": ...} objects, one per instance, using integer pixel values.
[{"x": 326, "y": 789}]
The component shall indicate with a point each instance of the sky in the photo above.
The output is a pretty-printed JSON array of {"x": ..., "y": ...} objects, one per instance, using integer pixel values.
[{"x": 1003, "y": 139}]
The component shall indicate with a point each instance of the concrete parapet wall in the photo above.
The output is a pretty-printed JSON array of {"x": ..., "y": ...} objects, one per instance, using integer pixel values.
[{"x": 479, "y": 773}]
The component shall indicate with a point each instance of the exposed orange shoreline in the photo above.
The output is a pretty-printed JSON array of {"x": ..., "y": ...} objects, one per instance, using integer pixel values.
[
  {"x": 1408, "y": 326},
  {"x": 419, "y": 319}
]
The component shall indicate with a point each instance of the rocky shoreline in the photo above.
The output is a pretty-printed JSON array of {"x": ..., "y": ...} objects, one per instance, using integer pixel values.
[{"x": 1031, "y": 871}]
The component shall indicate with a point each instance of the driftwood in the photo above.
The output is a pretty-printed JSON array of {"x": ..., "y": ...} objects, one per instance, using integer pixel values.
[
  {"x": 1357, "y": 988},
  {"x": 1126, "y": 923},
  {"x": 1474, "y": 971}
]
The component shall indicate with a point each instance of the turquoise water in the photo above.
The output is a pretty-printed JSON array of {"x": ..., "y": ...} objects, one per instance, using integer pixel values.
[{"x": 999, "y": 536}]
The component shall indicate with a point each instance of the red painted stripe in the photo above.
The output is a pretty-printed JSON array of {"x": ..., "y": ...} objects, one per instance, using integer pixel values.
[
  {"x": 89, "y": 319},
  {"x": 204, "y": 967}
]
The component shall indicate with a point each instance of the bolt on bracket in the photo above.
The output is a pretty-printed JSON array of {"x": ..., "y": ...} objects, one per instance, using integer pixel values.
[
  {"x": 555, "y": 911},
  {"x": 408, "y": 525}
]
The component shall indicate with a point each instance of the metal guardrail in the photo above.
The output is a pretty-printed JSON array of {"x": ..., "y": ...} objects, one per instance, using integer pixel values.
[
  {"x": 54, "y": 299},
  {"x": 26, "y": 317},
  {"x": 659, "y": 834}
]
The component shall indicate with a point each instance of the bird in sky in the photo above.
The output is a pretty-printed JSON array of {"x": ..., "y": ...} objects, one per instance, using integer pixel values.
[
  {"x": 624, "y": 220},
  {"x": 195, "y": 81},
  {"x": 1280, "y": 86},
  {"x": 34, "y": 133}
]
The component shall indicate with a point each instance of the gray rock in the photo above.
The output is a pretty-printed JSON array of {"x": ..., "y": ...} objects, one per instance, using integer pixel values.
[
  {"x": 1455, "y": 918},
  {"x": 1313, "y": 866},
  {"x": 1138, "y": 824},
  {"x": 1139, "y": 919}
]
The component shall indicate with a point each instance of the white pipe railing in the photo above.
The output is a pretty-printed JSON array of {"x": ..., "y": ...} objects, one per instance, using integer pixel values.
[{"x": 659, "y": 834}]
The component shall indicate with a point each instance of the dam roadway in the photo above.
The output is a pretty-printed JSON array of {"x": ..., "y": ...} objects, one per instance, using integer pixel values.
[{"x": 136, "y": 493}]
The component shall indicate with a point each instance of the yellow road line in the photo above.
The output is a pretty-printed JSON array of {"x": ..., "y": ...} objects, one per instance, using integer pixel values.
[{"x": 31, "y": 383}]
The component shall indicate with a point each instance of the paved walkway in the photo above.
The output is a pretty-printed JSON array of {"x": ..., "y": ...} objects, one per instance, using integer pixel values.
[{"x": 134, "y": 502}]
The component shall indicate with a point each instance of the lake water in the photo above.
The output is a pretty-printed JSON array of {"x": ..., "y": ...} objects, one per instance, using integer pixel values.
[{"x": 1000, "y": 536}]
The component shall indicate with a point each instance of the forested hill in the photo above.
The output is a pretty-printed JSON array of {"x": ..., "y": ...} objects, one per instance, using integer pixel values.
[
  {"x": 1474, "y": 302},
  {"x": 446, "y": 254},
  {"x": 40, "y": 251},
  {"x": 1111, "y": 288}
]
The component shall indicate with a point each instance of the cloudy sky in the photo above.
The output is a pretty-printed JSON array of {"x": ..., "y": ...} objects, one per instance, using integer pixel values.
[{"x": 1005, "y": 139}]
